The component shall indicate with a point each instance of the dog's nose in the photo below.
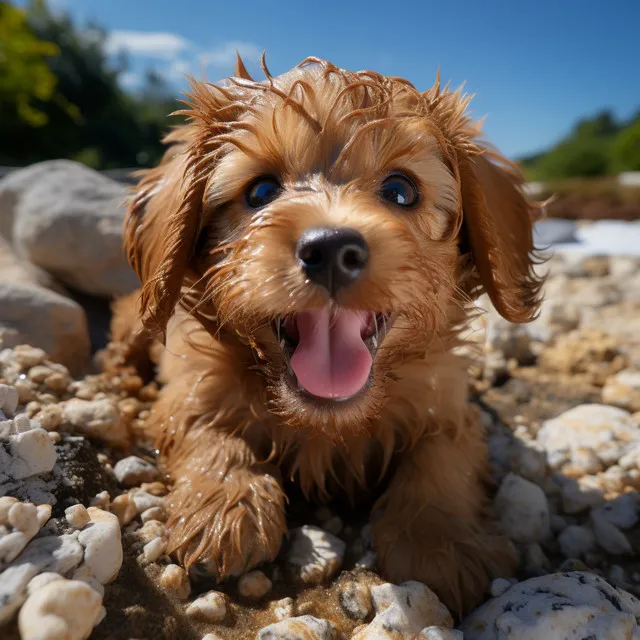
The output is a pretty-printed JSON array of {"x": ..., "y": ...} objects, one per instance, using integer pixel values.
[{"x": 332, "y": 257}]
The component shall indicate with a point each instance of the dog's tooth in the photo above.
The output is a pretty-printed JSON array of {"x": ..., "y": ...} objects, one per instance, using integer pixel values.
[
  {"x": 282, "y": 343},
  {"x": 374, "y": 341}
]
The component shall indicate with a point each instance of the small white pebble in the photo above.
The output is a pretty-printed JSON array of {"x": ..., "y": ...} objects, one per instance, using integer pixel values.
[
  {"x": 284, "y": 609},
  {"x": 124, "y": 508},
  {"x": 43, "y": 513},
  {"x": 101, "y": 500},
  {"x": 133, "y": 471},
  {"x": 254, "y": 585},
  {"x": 150, "y": 530},
  {"x": 154, "y": 550},
  {"x": 6, "y": 502},
  {"x": 77, "y": 516},
  {"x": 144, "y": 501},
  {"x": 210, "y": 607},
  {"x": 23, "y": 516},
  {"x": 499, "y": 586},
  {"x": 22, "y": 423},
  {"x": 155, "y": 513},
  {"x": 175, "y": 580},
  {"x": 8, "y": 399}
]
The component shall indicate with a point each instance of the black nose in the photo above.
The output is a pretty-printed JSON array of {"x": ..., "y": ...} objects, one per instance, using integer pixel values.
[{"x": 332, "y": 258}]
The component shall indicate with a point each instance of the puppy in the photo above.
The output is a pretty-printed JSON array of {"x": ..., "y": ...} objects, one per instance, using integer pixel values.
[{"x": 309, "y": 249}]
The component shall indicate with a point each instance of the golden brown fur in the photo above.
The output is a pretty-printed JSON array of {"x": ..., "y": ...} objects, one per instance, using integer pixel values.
[{"x": 215, "y": 274}]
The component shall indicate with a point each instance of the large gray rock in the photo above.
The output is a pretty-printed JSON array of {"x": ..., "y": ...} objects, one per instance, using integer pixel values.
[
  {"x": 15, "y": 270},
  {"x": 42, "y": 318},
  {"x": 67, "y": 219}
]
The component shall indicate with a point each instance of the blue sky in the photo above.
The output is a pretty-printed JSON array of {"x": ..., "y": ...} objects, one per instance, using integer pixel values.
[{"x": 535, "y": 67}]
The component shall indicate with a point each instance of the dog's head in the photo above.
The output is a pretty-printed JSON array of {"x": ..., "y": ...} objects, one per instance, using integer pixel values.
[{"x": 336, "y": 222}]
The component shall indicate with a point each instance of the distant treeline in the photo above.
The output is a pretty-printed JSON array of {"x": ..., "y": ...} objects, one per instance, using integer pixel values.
[
  {"x": 60, "y": 97},
  {"x": 598, "y": 146}
]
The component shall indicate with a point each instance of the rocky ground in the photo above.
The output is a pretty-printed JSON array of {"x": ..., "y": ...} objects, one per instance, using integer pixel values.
[{"x": 82, "y": 534}]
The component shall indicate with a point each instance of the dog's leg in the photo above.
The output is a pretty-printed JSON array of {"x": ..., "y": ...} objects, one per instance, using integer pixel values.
[
  {"x": 430, "y": 524},
  {"x": 226, "y": 508}
]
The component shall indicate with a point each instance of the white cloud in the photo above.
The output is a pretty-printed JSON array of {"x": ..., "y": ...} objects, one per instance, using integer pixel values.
[
  {"x": 154, "y": 44},
  {"x": 179, "y": 69},
  {"x": 225, "y": 54},
  {"x": 129, "y": 80}
]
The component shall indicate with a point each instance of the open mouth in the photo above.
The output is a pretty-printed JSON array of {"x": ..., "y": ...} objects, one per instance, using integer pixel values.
[{"x": 330, "y": 351}]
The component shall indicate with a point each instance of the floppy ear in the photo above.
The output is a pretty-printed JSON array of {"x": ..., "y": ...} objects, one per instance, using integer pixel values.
[
  {"x": 498, "y": 220},
  {"x": 160, "y": 231}
]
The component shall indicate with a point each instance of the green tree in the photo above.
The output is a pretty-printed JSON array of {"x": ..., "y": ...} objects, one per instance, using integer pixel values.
[
  {"x": 89, "y": 117},
  {"x": 25, "y": 77},
  {"x": 626, "y": 148}
]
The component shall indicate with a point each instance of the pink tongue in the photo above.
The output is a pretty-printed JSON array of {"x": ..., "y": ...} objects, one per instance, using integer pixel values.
[{"x": 331, "y": 360}]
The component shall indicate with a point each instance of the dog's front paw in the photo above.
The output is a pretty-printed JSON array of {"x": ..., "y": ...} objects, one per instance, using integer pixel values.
[{"x": 228, "y": 528}]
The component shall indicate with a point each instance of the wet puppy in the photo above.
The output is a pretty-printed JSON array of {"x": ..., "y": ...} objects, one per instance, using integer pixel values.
[{"x": 309, "y": 250}]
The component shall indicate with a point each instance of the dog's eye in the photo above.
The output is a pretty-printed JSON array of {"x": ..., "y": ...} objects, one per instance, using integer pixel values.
[
  {"x": 262, "y": 191},
  {"x": 399, "y": 190}
]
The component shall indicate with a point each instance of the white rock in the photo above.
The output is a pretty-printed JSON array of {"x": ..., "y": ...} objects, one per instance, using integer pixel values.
[
  {"x": 608, "y": 536},
  {"x": 284, "y": 608},
  {"x": 315, "y": 555},
  {"x": 175, "y": 580},
  {"x": 402, "y": 611},
  {"x": 561, "y": 605},
  {"x": 32, "y": 315},
  {"x": 523, "y": 509},
  {"x": 145, "y": 501},
  {"x": 154, "y": 550},
  {"x": 210, "y": 607},
  {"x": 302, "y": 627},
  {"x": 43, "y": 513},
  {"x": 133, "y": 471},
  {"x": 58, "y": 554},
  {"x": 576, "y": 540},
  {"x": 355, "y": 600},
  {"x": 66, "y": 609},
  {"x": 23, "y": 516},
  {"x": 32, "y": 452},
  {"x": 439, "y": 633},
  {"x": 621, "y": 511},
  {"x": 96, "y": 418},
  {"x": 254, "y": 585},
  {"x": 580, "y": 495},
  {"x": 8, "y": 400},
  {"x": 67, "y": 219},
  {"x": 6, "y": 502},
  {"x": 77, "y": 516},
  {"x": 593, "y": 426},
  {"x": 154, "y": 513},
  {"x": 102, "y": 544}
]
